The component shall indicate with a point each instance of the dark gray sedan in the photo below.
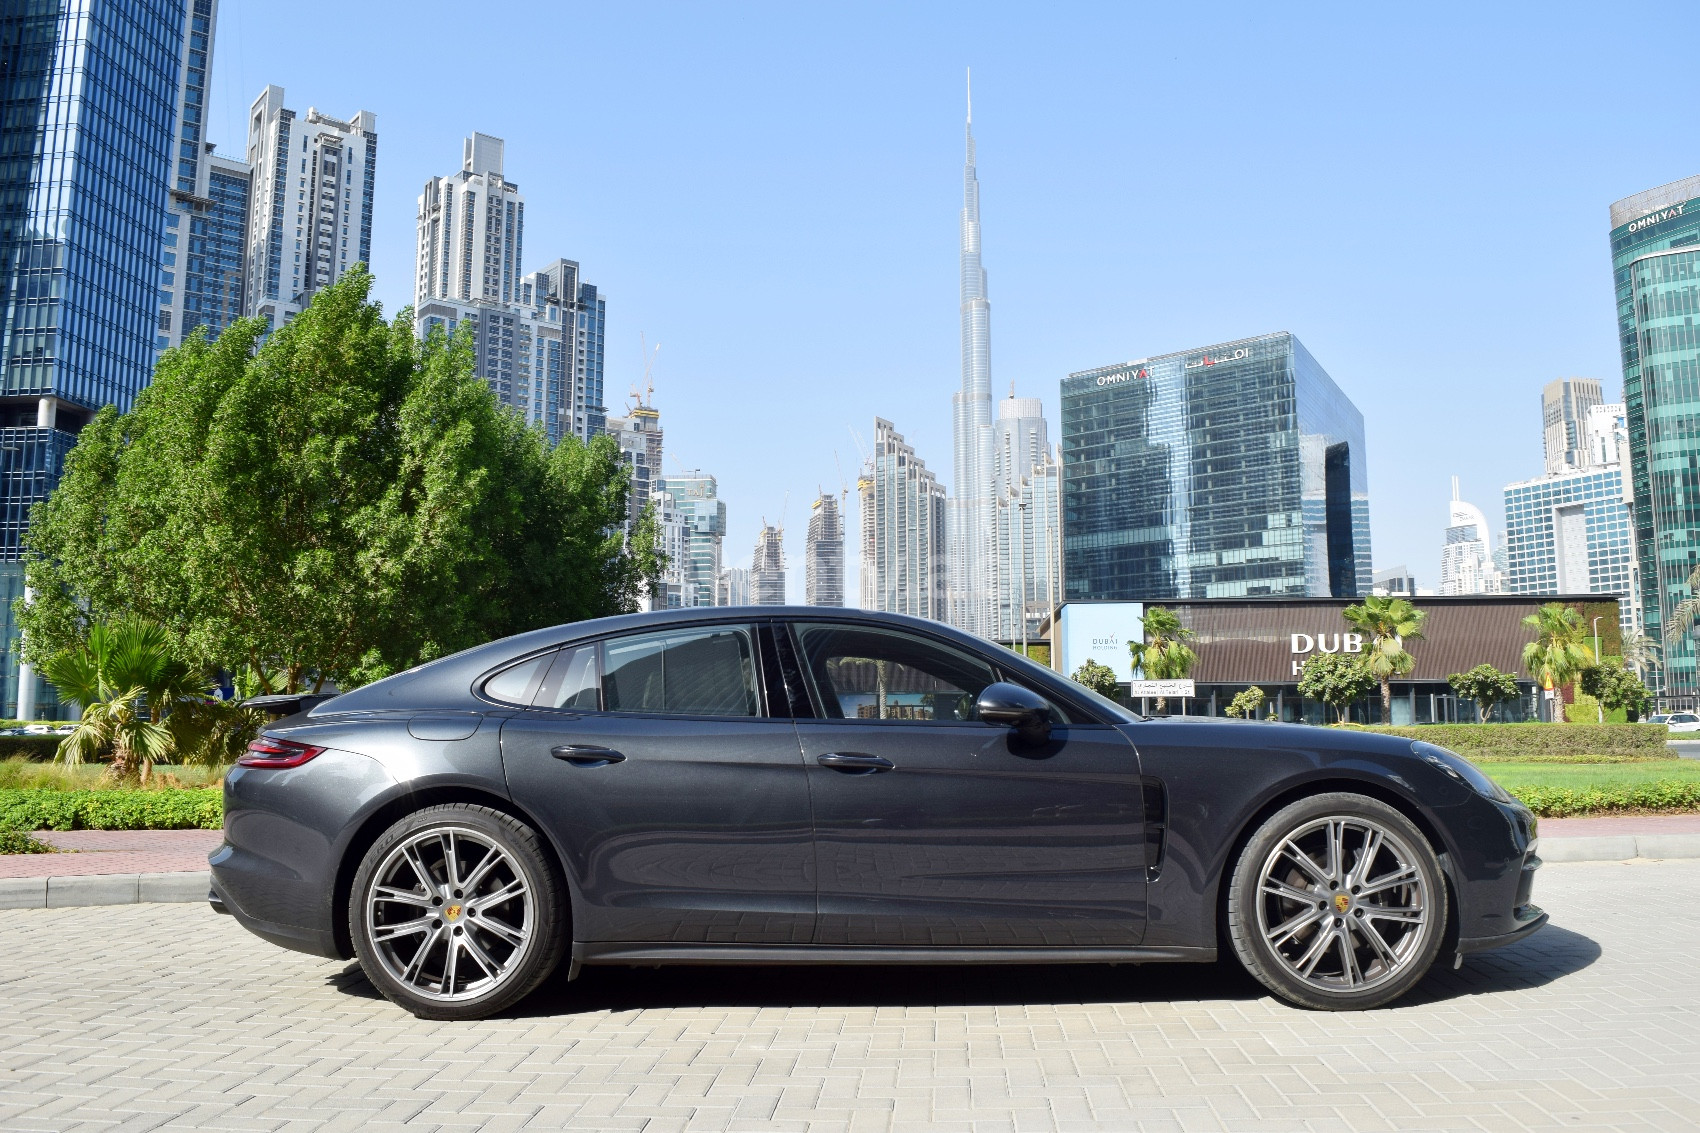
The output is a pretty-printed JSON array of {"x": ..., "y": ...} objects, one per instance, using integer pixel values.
[{"x": 785, "y": 785}]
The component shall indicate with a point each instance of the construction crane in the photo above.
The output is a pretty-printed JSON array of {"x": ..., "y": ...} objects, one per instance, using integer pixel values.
[{"x": 647, "y": 394}]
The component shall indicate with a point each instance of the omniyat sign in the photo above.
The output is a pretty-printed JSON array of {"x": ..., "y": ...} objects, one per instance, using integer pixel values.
[{"x": 1659, "y": 217}]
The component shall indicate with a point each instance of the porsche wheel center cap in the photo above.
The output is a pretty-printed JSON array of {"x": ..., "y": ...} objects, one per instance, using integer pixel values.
[
  {"x": 1342, "y": 902},
  {"x": 451, "y": 913}
]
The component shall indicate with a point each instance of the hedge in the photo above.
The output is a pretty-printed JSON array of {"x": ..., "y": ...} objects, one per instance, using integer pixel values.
[
  {"x": 38, "y": 748},
  {"x": 1564, "y": 802},
  {"x": 1543, "y": 743},
  {"x": 176, "y": 808}
]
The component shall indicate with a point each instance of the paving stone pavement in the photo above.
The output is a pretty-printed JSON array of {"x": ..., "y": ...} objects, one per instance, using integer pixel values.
[{"x": 146, "y": 1017}]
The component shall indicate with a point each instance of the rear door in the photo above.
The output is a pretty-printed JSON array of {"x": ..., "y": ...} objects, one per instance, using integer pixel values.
[
  {"x": 679, "y": 800},
  {"x": 933, "y": 828}
]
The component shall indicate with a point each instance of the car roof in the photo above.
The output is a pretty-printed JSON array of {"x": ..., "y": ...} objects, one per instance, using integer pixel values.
[{"x": 449, "y": 679}]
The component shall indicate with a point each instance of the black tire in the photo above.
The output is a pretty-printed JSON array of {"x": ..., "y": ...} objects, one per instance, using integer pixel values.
[
  {"x": 518, "y": 890},
  {"x": 1284, "y": 915}
]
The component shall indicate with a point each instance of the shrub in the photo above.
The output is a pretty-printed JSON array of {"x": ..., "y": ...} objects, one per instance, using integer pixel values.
[
  {"x": 1586, "y": 710},
  {"x": 1535, "y": 743},
  {"x": 1101, "y": 679},
  {"x": 1246, "y": 703},
  {"x": 177, "y": 809},
  {"x": 22, "y": 842},
  {"x": 1563, "y": 802}
]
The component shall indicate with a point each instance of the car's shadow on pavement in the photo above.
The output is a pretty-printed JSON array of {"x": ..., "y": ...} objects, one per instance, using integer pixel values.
[{"x": 1549, "y": 955}]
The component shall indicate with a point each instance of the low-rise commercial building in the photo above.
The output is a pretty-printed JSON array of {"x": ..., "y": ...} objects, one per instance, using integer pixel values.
[{"x": 1265, "y": 642}]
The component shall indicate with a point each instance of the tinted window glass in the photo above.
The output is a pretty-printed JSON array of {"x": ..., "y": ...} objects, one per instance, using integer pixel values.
[
  {"x": 572, "y": 681},
  {"x": 876, "y": 674},
  {"x": 697, "y": 672},
  {"x": 518, "y": 684}
]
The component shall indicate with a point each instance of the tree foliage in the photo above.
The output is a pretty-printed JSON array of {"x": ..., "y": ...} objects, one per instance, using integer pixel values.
[
  {"x": 1386, "y": 623},
  {"x": 1336, "y": 679},
  {"x": 338, "y": 501},
  {"x": 1245, "y": 704},
  {"x": 1101, "y": 679},
  {"x": 1613, "y": 684},
  {"x": 1560, "y": 652},
  {"x": 1487, "y": 686}
]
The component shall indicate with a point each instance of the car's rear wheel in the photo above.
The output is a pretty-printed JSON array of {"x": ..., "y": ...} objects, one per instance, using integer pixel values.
[
  {"x": 1337, "y": 903},
  {"x": 457, "y": 911}
]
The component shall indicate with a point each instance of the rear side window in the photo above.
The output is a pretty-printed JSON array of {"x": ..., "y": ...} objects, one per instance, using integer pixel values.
[
  {"x": 688, "y": 672},
  {"x": 518, "y": 683}
]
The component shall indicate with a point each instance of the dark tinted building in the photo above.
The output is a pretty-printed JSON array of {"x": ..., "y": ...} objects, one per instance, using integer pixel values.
[
  {"x": 88, "y": 99},
  {"x": 1231, "y": 471}
]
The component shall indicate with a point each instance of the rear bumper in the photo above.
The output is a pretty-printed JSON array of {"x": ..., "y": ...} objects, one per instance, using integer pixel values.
[{"x": 228, "y": 883}]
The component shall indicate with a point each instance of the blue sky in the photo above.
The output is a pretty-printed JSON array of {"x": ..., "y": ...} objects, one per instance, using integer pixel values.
[{"x": 771, "y": 192}]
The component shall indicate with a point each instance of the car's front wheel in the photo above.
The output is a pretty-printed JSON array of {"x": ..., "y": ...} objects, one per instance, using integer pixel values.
[
  {"x": 457, "y": 911},
  {"x": 1337, "y": 903}
]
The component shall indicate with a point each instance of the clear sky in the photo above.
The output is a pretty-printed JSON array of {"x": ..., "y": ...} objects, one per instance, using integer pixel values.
[{"x": 1418, "y": 192}]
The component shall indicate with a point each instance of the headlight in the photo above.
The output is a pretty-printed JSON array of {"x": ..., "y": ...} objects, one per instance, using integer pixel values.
[{"x": 1462, "y": 770}]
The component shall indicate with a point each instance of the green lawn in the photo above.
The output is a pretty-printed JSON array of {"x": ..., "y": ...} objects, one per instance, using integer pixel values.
[{"x": 1582, "y": 776}]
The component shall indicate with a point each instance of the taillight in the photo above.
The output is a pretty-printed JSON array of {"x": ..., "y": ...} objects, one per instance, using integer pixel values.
[{"x": 269, "y": 751}]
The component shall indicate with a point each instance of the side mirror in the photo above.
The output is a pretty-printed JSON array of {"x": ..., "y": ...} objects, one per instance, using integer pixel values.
[{"x": 1015, "y": 707}]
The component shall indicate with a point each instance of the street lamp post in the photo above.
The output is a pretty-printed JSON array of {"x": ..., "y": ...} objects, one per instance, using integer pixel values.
[{"x": 1599, "y": 709}]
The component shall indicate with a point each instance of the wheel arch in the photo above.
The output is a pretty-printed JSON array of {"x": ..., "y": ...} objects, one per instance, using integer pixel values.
[
  {"x": 1369, "y": 788},
  {"x": 388, "y": 813}
]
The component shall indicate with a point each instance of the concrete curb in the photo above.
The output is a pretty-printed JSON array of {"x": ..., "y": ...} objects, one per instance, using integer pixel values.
[
  {"x": 102, "y": 889},
  {"x": 1619, "y": 847}
]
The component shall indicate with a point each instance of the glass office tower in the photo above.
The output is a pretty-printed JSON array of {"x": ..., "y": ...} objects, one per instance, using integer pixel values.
[
  {"x": 88, "y": 100},
  {"x": 1655, "y": 248},
  {"x": 1233, "y": 471}
]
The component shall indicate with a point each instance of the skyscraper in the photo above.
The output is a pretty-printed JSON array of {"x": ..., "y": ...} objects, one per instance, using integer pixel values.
[
  {"x": 310, "y": 214},
  {"x": 91, "y": 105},
  {"x": 767, "y": 568},
  {"x": 903, "y": 529},
  {"x": 1029, "y": 538},
  {"x": 703, "y": 514},
  {"x": 823, "y": 556},
  {"x": 972, "y": 521},
  {"x": 1655, "y": 249},
  {"x": 733, "y": 589},
  {"x": 1564, "y": 413},
  {"x": 1231, "y": 471},
  {"x": 206, "y": 229},
  {"x": 1466, "y": 557},
  {"x": 537, "y": 338}
]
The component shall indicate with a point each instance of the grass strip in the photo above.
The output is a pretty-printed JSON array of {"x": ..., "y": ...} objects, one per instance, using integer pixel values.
[
  {"x": 1543, "y": 743},
  {"x": 1564, "y": 790}
]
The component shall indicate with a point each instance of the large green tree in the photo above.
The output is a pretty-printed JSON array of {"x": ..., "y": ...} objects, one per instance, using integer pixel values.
[
  {"x": 335, "y": 500},
  {"x": 1487, "y": 686},
  {"x": 1336, "y": 679},
  {"x": 1560, "y": 651},
  {"x": 1614, "y": 685},
  {"x": 1386, "y": 623}
]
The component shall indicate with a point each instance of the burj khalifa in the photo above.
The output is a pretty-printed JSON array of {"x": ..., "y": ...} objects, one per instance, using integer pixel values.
[{"x": 972, "y": 521}]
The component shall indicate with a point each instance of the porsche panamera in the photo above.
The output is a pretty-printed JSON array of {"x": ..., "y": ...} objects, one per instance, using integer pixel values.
[{"x": 784, "y": 785}]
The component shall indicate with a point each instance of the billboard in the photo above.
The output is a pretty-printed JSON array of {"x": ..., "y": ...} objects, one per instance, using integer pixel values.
[{"x": 1099, "y": 631}]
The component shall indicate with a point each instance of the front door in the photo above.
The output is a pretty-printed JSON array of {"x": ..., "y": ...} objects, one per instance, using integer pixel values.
[
  {"x": 681, "y": 806},
  {"x": 935, "y": 829}
]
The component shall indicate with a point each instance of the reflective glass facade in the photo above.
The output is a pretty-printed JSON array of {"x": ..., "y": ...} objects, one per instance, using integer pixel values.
[
  {"x": 88, "y": 113},
  {"x": 703, "y": 514},
  {"x": 1233, "y": 471},
  {"x": 1571, "y": 534},
  {"x": 1655, "y": 244}
]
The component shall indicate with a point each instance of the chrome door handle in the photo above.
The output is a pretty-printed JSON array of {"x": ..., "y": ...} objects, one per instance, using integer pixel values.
[
  {"x": 854, "y": 762},
  {"x": 583, "y": 755}
]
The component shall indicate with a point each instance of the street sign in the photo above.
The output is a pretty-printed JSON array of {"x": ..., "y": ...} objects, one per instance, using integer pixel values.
[{"x": 1162, "y": 688}]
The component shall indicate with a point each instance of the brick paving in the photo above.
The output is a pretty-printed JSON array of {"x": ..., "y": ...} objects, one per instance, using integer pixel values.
[
  {"x": 1620, "y": 824},
  {"x": 168, "y": 1017},
  {"x": 115, "y": 851}
]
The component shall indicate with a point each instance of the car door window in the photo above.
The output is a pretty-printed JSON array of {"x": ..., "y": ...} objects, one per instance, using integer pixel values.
[
  {"x": 571, "y": 683},
  {"x": 861, "y": 673},
  {"x": 689, "y": 672},
  {"x": 518, "y": 683}
]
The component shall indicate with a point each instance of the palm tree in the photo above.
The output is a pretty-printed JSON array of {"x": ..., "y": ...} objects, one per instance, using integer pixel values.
[
  {"x": 1641, "y": 653},
  {"x": 1682, "y": 618},
  {"x": 1164, "y": 654},
  {"x": 1560, "y": 650},
  {"x": 1386, "y": 623},
  {"x": 116, "y": 723},
  {"x": 112, "y": 675}
]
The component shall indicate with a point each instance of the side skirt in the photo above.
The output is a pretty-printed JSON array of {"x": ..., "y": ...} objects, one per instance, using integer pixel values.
[{"x": 636, "y": 953}]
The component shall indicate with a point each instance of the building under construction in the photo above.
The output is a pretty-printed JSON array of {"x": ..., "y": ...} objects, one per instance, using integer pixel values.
[
  {"x": 823, "y": 558},
  {"x": 767, "y": 568}
]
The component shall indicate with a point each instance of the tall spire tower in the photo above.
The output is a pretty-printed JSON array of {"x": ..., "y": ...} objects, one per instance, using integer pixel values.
[{"x": 971, "y": 603}]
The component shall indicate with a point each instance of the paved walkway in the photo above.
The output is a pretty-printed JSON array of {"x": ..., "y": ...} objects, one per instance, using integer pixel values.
[
  {"x": 115, "y": 851},
  {"x": 1619, "y": 824},
  {"x": 168, "y": 1017}
]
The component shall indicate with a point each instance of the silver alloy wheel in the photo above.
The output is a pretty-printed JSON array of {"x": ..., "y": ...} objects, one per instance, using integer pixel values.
[
  {"x": 449, "y": 913},
  {"x": 1343, "y": 904}
]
